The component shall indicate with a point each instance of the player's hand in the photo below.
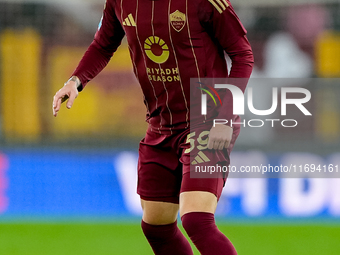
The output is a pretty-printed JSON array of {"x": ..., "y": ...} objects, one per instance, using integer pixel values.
[
  {"x": 69, "y": 91},
  {"x": 220, "y": 137}
]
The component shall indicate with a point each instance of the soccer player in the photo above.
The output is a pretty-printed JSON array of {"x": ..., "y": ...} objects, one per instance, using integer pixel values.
[{"x": 171, "y": 41}]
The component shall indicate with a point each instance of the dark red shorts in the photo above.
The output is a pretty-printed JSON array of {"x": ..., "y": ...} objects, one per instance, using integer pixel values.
[{"x": 165, "y": 160}]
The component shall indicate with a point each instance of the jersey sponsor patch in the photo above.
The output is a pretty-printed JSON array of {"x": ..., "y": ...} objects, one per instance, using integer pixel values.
[
  {"x": 129, "y": 21},
  {"x": 220, "y": 5},
  {"x": 177, "y": 20},
  {"x": 156, "y": 49}
]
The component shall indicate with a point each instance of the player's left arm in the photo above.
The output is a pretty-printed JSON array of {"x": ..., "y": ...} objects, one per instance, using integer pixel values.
[
  {"x": 220, "y": 19},
  {"x": 242, "y": 63}
]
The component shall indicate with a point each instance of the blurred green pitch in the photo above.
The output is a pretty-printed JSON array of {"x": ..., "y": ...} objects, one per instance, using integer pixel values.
[{"x": 127, "y": 238}]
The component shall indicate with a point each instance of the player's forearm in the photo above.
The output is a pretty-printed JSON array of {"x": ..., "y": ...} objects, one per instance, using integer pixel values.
[
  {"x": 242, "y": 59},
  {"x": 92, "y": 63},
  {"x": 226, "y": 110},
  {"x": 242, "y": 65}
]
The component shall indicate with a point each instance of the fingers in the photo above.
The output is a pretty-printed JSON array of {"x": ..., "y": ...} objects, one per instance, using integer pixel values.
[
  {"x": 71, "y": 99},
  {"x": 210, "y": 143},
  {"x": 56, "y": 105},
  {"x": 219, "y": 137},
  {"x": 221, "y": 146},
  {"x": 218, "y": 144},
  {"x": 226, "y": 145},
  {"x": 61, "y": 96}
]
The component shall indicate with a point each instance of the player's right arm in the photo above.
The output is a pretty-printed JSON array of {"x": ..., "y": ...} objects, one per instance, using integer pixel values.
[
  {"x": 106, "y": 41},
  {"x": 68, "y": 92}
]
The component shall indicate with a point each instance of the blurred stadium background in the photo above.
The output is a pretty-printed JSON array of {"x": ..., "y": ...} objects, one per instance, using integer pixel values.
[{"x": 67, "y": 184}]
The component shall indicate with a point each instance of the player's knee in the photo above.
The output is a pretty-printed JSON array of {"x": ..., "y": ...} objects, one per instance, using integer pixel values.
[
  {"x": 197, "y": 222},
  {"x": 159, "y": 213},
  {"x": 156, "y": 233},
  {"x": 187, "y": 224},
  {"x": 203, "y": 232},
  {"x": 158, "y": 219},
  {"x": 149, "y": 230}
]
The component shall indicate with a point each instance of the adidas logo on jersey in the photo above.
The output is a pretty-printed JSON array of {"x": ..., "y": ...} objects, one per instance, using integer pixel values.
[
  {"x": 200, "y": 158},
  {"x": 129, "y": 21},
  {"x": 220, "y": 5}
]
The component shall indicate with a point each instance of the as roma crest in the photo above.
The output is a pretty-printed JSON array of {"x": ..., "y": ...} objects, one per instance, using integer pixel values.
[{"x": 177, "y": 20}]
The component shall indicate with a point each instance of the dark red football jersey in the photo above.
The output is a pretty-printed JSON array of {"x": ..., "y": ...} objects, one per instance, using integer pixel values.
[{"x": 170, "y": 41}]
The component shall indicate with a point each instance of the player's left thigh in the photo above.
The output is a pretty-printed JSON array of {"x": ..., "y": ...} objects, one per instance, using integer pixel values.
[
  {"x": 159, "y": 213},
  {"x": 197, "y": 201},
  {"x": 199, "y": 194}
]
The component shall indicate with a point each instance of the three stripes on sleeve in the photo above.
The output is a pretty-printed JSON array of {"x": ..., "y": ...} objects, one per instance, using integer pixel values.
[{"x": 220, "y": 5}]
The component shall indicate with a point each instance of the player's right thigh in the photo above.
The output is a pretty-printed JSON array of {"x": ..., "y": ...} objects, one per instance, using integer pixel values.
[{"x": 159, "y": 178}]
